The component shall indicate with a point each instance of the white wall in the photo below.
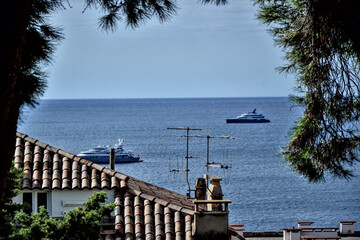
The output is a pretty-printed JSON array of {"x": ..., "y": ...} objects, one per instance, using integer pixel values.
[
  {"x": 66, "y": 200},
  {"x": 62, "y": 201}
]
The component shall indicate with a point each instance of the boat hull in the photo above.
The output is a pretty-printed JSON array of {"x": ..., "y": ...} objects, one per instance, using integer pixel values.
[
  {"x": 235, "y": 120},
  {"x": 106, "y": 159}
]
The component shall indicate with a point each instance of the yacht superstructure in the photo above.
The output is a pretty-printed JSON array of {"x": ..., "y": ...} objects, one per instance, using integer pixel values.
[
  {"x": 101, "y": 154},
  {"x": 251, "y": 117}
]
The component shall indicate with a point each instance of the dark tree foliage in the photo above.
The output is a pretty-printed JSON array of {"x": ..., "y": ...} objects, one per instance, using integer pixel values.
[
  {"x": 9, "y": 211},
  {"x": 132, "y": 12},
  {"x": 41, "y": 40},
  {"x": 321, "y": 39},
  {"x": 136, "y": 12},
  {"x": 216, "y": 2},
  {"x": 25, "y": 52}
]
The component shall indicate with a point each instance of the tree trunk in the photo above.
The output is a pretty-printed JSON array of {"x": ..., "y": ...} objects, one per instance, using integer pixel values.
[{"x": 14, "y": 18}]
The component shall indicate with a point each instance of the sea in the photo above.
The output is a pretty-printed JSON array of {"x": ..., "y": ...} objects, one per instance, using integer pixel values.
[{"x": 266, "y": 194}]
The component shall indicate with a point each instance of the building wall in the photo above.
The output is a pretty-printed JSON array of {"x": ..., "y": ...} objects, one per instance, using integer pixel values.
[{"x": 59, "y": 202}]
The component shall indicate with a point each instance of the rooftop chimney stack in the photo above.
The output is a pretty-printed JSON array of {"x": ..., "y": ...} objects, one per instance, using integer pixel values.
[
  {"x": 213, "y": 223},
  {"x": 347, "y": 227},
  {"x": 112, "y": 158},
  {"x": 200, "y": 189},
  {"x": 215, "y": 193}
]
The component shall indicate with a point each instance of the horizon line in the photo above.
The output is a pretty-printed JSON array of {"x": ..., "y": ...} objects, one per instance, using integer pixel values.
[{"x": 139, "y": 98}]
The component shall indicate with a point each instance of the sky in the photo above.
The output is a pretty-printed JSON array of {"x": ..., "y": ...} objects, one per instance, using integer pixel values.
[{"x": 203, "y": 51}]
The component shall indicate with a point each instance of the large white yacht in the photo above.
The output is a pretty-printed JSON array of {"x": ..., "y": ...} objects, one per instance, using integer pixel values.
[
  {"x": 251, "y": 117},
  {"x": 101, "y": 154}
]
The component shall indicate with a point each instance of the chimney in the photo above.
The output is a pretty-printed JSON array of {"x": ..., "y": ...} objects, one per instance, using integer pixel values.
[
  {"x": 347, "y": 227},
  {"x": 213, "y": 223},
  {"x": 305, "y": 224},
  {"x": 112, "y": 158},
  {"x": 200, "y": 189},
  {"x": 215, "y": 193}
]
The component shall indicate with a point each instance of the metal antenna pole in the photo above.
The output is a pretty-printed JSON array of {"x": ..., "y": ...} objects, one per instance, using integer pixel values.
[
  {"x": 207, "y": 160},
  {"x": 187, "y": 153},
  {"x": 187, "y": 159}
]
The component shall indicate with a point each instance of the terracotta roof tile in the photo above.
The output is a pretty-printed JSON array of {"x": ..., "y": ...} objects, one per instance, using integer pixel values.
[
  {"x": 128, "y": 217},
  {"x": 98, "y": 167},
  {"x": 66, "y": 174},
  {"x": 139, "y": 223},
  {"x": 31, "y": 140},
  {"x": 123, "y": 184},
  {"x": 66, "y": 163},
  {"x": 21, "y": 135},
  {"x": 169, "y": 223},
  {"x": 178, "y": 226},
  {"x": 52, "y": 149},
  {"x": 75, "y": 176},
  {"x": 95, "y": 178},
  {"x": 174, "y": 207},
  {"x": 27, "y": 177},
  {"x": 143, "y": 211},
  {"x": 46, "y": 170},
  {"x": 161, "y": 201},
  {"x": 147, "y": 196},
  {"x": 56, "y": 177},
  {"x": 159, "y": 224},
  {"x": 119, "y": 213},
  {"x": 188, "y": 227},
  {"x": 66, "y": 154},
  {"x": 148, "y": 218},
  {"x": 19, "y": 153},
  {"x": 105, "y": 183},
  {"x": 85, "y": 182},
  {"x": 28, "y": 154},
  {"x": 109, "y": 172},
  {"x": 36, "y": 179},
  {"x": 41, "y": 144},
  {"x": 187, "y": 211},
  {"x": 114, "y": 182},
  {"x": 121, "y": 176}
]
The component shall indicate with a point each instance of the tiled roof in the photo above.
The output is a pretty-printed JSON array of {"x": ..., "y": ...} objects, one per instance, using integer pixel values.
[{"x": 142, "y": 209}]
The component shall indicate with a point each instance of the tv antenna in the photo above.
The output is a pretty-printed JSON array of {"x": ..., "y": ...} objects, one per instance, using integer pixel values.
[
  {"x": 186, "y": 170},
  {"x": 208, "y": 163}
]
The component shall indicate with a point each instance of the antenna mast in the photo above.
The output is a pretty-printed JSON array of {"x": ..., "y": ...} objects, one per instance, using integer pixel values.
[
  {"x": 208, "y": 163},
  {"x": 187, "y": 153}
]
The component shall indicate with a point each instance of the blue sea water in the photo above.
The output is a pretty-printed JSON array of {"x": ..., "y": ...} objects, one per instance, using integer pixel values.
[{"x": 266, "y": 195}]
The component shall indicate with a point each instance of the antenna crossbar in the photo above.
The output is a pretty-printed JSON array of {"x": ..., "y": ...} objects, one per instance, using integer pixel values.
[
  {"x": 224, "y": 137},
  {"x": 212, "y": 163},
  {"x": 220, "y": 166},
  {"x": 184, "y": 128},
  {"x": 179, "y": 170}
]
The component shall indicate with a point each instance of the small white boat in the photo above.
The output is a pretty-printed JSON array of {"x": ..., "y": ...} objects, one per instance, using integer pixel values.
[
  {"x": 251, "y": 117},
  {"x": 101, "y": 154}
]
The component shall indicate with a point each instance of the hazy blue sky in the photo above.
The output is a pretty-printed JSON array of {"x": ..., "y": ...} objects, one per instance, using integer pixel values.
[{"x": 204, "y": 51}]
